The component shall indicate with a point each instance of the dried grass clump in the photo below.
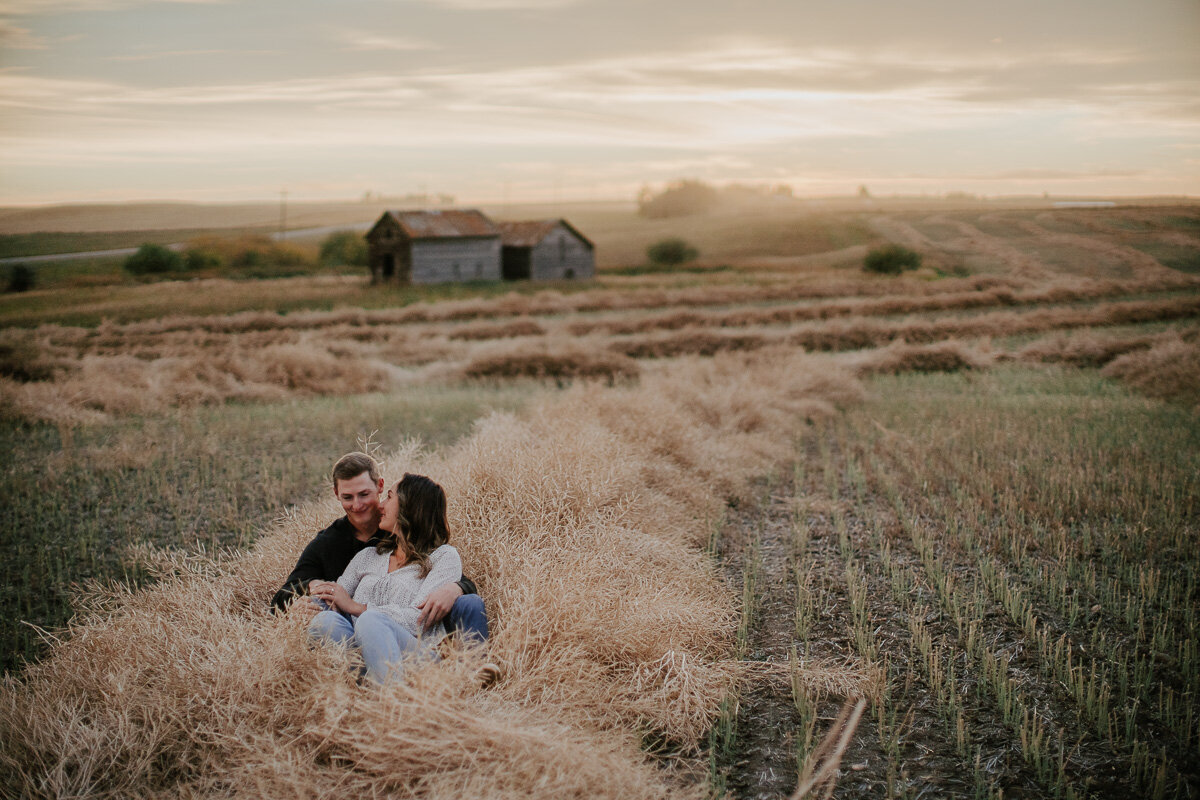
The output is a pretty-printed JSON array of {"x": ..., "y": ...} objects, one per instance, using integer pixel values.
[
  {"x": 1169, "y": 371},
  {"x": 949, "y": 356},
  {"x": 127, "y": 384},
  {"x": 543, "y": 360},
  {"x": 1084, "y": 349},
  {"x": 580, "y": 523},
  {"x": 22, "y": 360},
  {"x": 504, "y": 330},
  {"x": 694, "y": 341}
]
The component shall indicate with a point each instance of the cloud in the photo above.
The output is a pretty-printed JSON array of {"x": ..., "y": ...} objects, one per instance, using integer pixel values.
[
  {"x": 15, "y": 37},
  {"x": 177, "y": 53},
  {"x": 504, "y": 5},
  {"x": 362, "y": 41},
  {"x": 18, "y": 8}
]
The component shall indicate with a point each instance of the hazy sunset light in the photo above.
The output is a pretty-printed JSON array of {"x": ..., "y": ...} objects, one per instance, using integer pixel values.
[{"x": 533, "y": 99}]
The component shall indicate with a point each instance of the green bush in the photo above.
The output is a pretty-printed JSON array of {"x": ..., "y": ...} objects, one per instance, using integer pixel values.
[
  {"x": 891, "y": 259},
  {"x": 152, "y": 259},
  {"x": 344, "y": 248},
  {"x": 200, "y": 258},
  {"x": 20, "y": 279},
  {"x": 671, "y": 252}
]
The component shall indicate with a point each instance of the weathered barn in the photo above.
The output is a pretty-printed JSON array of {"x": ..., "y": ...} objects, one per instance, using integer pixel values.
[
  {"x": 545, "y": 250},
  {"x": 433, "y": 247}
]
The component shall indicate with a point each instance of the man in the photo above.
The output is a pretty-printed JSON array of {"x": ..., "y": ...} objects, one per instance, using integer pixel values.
[{"x": 357, "y": 485}]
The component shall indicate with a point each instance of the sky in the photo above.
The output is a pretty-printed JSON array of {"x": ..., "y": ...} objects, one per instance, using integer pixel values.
[{"x": 542, "y": 100}]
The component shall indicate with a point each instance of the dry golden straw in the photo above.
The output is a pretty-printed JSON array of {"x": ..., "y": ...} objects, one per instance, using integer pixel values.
[{"x": 582, "y": 522}]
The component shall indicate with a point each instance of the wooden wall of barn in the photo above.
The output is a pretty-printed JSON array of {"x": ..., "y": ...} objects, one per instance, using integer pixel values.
[
  {"x": 454, "y": 260},
  {"x": 562, "y": 256}
]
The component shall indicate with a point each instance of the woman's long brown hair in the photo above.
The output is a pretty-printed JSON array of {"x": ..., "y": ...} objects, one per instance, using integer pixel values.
[{"x": 421, "y": 524}]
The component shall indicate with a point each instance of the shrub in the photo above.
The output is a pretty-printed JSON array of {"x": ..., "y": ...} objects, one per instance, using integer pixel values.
[
  {"x": 20, "y": 279},
  {"x": 891, "y": 259},
  {"x": 201, "y": 258},
  {"x": 344, "y": 248},
  {"x": 671, "y": 252},
  {"x": 153, "y": 259}
]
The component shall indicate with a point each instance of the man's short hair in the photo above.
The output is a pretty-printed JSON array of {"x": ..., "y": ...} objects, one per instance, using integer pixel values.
[{"x": 352, "y": 465}]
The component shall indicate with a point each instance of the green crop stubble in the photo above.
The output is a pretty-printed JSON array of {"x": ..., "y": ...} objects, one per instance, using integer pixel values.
[
  {"x": 72, "y": 502},
  {"x": 1077, "y": 503}
]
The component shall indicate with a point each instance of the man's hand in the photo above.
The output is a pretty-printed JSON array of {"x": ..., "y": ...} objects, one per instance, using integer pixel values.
[{"x": 437, "y": 605}]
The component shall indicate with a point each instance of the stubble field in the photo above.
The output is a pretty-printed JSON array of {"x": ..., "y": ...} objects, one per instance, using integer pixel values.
[{"x": 707, "y": 509}]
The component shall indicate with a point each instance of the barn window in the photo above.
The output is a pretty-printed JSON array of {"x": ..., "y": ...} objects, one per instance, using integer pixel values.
[
  {"x": 478, "y": 269},
  {"x": 456, "y": 271},
  {"x": 562, "y": 249}
]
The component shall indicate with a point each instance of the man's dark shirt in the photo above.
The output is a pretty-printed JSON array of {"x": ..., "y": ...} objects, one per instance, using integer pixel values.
[{"x": 326, "y": 557}]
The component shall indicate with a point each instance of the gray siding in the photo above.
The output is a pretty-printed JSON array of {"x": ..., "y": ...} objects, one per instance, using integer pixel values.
[
  {"x": 455, "y": 260},
  {"x": 561, "y": 254}
]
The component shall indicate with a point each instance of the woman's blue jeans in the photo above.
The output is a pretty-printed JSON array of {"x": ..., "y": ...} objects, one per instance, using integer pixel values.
[{"x": 382, "y": 640}]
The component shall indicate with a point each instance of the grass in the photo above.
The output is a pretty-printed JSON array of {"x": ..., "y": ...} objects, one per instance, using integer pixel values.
[
  {"x": 90, "y": 306},
  {"x": 15, "y": 245},
  {"x": 74, "y": 501}
]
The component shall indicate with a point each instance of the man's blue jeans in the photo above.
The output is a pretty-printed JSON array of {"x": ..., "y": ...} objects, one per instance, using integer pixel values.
[{"x": 468, "y": 617}]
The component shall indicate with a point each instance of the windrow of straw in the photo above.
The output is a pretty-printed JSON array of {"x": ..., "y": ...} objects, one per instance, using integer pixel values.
[
  {"x": 898, "y": 357},
  {"x": 897, "y": 297},
  {"x": 127, "y": 384},
  {"x": 1091, "y": 349},
  {"x": 551, "y": 302},
  {"x": 861, "y": 333},
  {"x": 1170, "y": 370},
  {"x": 542, "y": 360},
  {"x": 582, "y": 522},
  {"x": 48, "y": 375},
  {"x": 904, "y": 304}
]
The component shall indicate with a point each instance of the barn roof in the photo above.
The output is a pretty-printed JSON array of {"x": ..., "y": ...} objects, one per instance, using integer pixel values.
[
  {"x": 529, "y": 232},
  {"x": 442, "y": 224}
]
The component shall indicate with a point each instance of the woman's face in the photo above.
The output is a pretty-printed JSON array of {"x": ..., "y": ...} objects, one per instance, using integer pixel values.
[{"x": 389, "y": 510}]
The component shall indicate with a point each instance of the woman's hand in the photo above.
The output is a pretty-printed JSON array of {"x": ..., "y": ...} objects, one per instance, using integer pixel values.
[{"x": 336, "y": 596}]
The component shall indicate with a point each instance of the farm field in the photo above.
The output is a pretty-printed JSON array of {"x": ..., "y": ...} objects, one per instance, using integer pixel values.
[{"x": 967, "y": 496}]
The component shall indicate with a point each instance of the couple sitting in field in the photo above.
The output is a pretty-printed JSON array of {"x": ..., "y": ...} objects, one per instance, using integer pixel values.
[{"x": 384, "y": 577}]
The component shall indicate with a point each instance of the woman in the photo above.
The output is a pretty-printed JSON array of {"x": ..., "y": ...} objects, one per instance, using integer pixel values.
[{"x": 374, "y": 603}]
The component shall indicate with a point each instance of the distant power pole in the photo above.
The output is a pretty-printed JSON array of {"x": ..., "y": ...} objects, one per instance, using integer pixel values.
[{"x": 282, "y": 212}]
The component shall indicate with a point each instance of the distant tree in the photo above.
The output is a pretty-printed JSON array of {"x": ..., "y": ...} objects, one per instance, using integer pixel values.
[
  {"x": 671, "y": 252},
  {"x": 891, "y": 259},
  {"x": 152, "y": 259},
  {"x": 20, "y": 279},
  {"x": 864, "y": 192},
  {"x": 677, "y": 200},
  {"x": 344, "y": 248}
]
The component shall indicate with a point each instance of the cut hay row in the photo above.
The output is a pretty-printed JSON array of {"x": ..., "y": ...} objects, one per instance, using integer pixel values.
[
  {"x": 862, "y": 333},
  {"x": 1161, "y": 365},
  {"x": 845, "y": 298},
  {"x": 544, "y": 303},
  {"x": 56, "y": 384},
  {"x": 583, "y": 523},
  {"x": 1091, "y": 349},
  {"x": 1168, "y": 370},
  {"x": 954, "y": 301}
]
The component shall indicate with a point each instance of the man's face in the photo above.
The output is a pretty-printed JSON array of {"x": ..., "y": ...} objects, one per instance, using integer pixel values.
[{"x": 359, "y": 497}]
